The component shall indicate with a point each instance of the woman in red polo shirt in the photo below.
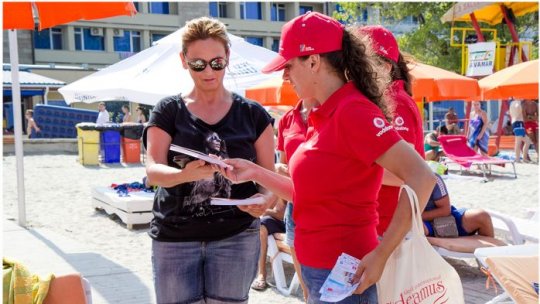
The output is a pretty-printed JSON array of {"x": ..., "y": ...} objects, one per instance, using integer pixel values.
[
  {"x": 337, "y": 172},
  {"x": 407, "y": 120}
]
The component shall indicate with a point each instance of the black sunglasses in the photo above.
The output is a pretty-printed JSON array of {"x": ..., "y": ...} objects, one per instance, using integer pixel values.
[{"x": 216, "y": 64}]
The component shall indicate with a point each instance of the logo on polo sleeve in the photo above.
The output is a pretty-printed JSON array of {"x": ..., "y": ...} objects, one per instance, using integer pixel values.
[
  {"x": 380, "y": 123},
  {"x": 398, "y": 124}
]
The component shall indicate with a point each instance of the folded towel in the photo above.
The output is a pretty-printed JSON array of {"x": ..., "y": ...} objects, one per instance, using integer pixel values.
[{"x": 20, "y": 286}]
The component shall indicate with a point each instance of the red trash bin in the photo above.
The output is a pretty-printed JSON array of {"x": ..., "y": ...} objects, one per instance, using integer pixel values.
[{"x": 131, "y": 150}]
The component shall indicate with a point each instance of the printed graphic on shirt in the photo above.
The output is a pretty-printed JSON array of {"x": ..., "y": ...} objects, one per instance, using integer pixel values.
[
  {"x": 198, "y": 202},
  {"x": 399, "y": 124},
  {"x": 380, "y": 123}
]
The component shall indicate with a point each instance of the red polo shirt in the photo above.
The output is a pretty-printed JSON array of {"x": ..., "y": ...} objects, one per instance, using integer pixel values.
[
  {"x": 336, "y": 179},
  {"x": 291, "y": 131},
  {"x": 408, "y": 123}
]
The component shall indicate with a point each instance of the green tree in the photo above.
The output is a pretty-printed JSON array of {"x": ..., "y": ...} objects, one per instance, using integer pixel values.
[{"x": 430, "y": 41}]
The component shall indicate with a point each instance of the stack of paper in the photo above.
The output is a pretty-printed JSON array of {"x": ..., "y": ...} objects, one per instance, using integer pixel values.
[{"x": 338, "y": 284}]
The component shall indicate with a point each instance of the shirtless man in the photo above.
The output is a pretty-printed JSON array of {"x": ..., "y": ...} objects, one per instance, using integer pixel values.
[{"x": 516, "y": 114}]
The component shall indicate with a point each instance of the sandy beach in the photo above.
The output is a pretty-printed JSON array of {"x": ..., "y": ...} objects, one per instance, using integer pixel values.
[{"x": 58, "y": 198}]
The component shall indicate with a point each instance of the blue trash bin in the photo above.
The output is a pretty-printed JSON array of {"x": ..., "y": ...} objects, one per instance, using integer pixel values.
[{"x": 110, "y": 146}]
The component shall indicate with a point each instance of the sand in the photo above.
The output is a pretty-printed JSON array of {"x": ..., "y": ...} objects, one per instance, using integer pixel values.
[{"x": 58, "y": 198}]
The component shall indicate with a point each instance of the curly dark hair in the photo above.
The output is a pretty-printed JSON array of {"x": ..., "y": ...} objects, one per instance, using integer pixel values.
[
  {"x": 400, "y": 70},
  {"x": 358, "y": 63}
]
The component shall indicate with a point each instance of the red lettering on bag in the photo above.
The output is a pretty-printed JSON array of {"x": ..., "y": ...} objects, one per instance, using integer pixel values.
[{"x": 424, "y": 291}]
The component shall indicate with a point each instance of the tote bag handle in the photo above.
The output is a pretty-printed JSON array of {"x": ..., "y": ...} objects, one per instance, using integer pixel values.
[{"x": 416, "y": 215}]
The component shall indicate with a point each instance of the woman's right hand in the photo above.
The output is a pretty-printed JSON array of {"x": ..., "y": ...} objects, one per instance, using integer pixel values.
[
  {"x": 198, "y": 169},
  {"x": 242, "y": 170}
]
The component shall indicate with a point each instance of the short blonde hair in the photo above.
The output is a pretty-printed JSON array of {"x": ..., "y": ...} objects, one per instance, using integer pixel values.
[{"x": 204, "y": 28}]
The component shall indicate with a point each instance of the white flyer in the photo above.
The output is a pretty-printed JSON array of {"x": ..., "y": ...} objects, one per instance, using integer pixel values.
[
  {"x": 338, "y": 284},
  {"x": 236, "y": 202},
  {"x": 193, "y": 153}
]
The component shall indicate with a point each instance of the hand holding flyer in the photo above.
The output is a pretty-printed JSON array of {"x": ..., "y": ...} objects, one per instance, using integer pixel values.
[
  {"x": 193, "y": 153},
  {"x": 338, "y": 284}
]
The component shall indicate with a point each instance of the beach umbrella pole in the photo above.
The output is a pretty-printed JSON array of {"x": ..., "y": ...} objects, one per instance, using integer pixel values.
[{"x": 16, "y": 93}]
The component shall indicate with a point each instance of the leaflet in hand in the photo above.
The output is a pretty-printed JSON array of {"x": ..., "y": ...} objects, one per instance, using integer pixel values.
[
  {"x": 207, "y": 158},
  {"x": 236, "y": 202},
  {"x": 338, "y": 284}
]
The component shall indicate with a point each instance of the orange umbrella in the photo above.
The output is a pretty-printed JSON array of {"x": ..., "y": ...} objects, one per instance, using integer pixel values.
[
  {"x": 518, "y": 81},
  {"x": 274, "y": 92},
  {"x": 487, "y": 12},
  {"x": 24, "y": 15},
  {"x": 19, "y": 15},
  {"x": 435, "y": 84},
  {"x": 429, "y": 82}
]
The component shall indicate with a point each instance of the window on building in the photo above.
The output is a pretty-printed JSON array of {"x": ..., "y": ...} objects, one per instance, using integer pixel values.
[
  {"x": 277, "y": 12},
  {"x": 130, "y": 42},
  {"x": 250, "y": 10},
  {"x": 155, "y": 37},
  {"x": 137, "y": 6},
  {"x": 218, "y": 9},
  {"x": 305, "y": 8},
  {"x": 89, "y": 39},
  {"x": 275, "y": 45},
  {"x": 364, "y": 15},
  {"x": 255, "y": 40},
  {"x": 49, "y": 39},
  {"x": 159, "y": 8}
]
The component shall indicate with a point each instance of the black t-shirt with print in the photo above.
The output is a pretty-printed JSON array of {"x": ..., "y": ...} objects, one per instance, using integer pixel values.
[{"x": 183, "y": 212}]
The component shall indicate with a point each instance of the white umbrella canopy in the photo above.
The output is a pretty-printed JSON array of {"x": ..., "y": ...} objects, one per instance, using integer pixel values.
[{"x": 157, "y": 72}]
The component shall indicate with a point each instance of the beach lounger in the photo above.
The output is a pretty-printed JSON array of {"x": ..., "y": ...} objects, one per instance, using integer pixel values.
[
  {"x": 515, "y": 268},
  {"x": 520, "y": 230},
  {"x": 69, "y": 289},
  {"x": 457, "y": 151},
  {"x": 464, "y": 246},
  {"x": 134, "y": 209},
  {"x": 279, "y": 252}
]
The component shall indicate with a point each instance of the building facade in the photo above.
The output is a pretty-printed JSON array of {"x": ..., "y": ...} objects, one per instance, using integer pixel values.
[{"x": 99, "y": 43}]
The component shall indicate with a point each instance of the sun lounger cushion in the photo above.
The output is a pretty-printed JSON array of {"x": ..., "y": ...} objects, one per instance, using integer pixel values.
[
  {"x": 466, "y": 244},
  {"x": 516, "y": 274},
  {"x": 66, "y": 289}
]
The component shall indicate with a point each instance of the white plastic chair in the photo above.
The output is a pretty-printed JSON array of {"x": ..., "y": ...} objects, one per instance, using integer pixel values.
[
  {"x": 277, "y": 257},
  {"x": 520, "y": 230}
]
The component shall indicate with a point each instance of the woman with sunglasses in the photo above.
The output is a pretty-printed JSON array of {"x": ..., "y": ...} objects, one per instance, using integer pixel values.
[
  {"x": 336, "y": 173},
  {"x": 203, "y": 253}
]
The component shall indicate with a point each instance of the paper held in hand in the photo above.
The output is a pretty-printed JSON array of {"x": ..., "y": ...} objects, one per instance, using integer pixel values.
[
  {"x": 339, "y": 283},
  {"x": 236, "y": 202},
  {"x": 193, "y": 153}
]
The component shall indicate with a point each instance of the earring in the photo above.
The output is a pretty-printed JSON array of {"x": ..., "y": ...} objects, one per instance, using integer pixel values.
[{"x": 347, "y": 75}]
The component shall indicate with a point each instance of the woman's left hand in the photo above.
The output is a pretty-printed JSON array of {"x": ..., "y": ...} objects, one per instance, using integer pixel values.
[
  {"x": 369, "y": 272},
  {"x": 257, "y": 210}
]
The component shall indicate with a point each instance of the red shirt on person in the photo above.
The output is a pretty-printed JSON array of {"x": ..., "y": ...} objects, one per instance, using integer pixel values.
[
  {"x": 291, "y": 131},
  {"x": 408, "y": 124},
  {"x": 336, "y": 179}
]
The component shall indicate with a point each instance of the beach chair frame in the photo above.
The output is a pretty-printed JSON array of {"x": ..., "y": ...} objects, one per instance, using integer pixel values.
[{"x": 277, "y": 258}]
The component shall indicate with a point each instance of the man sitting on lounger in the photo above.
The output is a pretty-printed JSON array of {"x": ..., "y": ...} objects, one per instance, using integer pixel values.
[
  {"x": 432, "y": 147},
  {"x": 468, "y": 221}
]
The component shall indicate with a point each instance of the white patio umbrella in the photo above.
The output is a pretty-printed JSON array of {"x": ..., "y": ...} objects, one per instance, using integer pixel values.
[
  {"x": 26, "y": 15},
  {"x": 157, "y": 72}
]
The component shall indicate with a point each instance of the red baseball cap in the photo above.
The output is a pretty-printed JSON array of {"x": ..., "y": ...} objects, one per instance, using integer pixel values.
[
  {"x": 308, "y": 34},
  {"x": 384, "y": 42}
]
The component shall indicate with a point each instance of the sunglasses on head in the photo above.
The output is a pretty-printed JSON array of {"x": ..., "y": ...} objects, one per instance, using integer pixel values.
[{"x": 216, "y": 64}]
